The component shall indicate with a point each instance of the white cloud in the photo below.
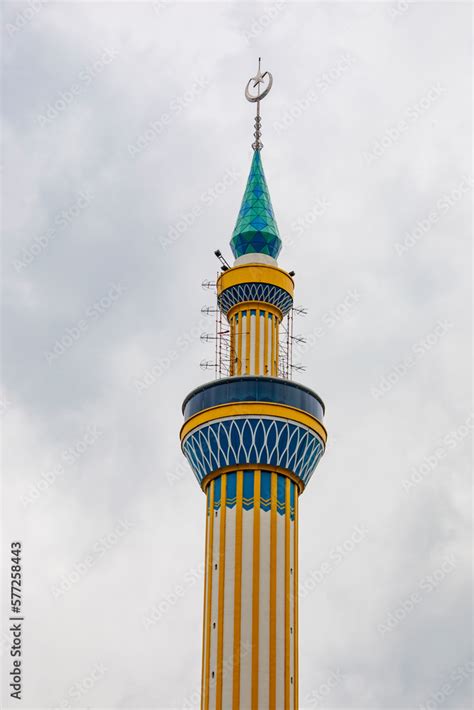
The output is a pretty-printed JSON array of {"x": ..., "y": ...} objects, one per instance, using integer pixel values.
[{"x": 398, "y": 52}]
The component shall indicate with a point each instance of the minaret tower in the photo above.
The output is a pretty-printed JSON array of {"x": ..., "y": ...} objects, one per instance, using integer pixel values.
[{"x": 253, "y": 440}]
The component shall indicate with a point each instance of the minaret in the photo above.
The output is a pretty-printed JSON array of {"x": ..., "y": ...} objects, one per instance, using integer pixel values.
[{"x": 253, "y": 440}]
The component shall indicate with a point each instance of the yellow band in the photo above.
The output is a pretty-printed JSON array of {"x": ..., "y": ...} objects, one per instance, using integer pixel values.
[
  {"x": 272, "y": 409},
  {"x": 255, "y": 273}
]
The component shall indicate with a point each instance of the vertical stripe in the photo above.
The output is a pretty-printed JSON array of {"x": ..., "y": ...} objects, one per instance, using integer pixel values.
[
  {"x": 229, "y": 587},
  {"x": 265, "y": 323},
  {"x": 277, "y": 349},
  {"x": 295, "y": 560},
  {"x": 280, "y": 595},
  {"x": 265, "y": 344},
  {"x": 274, "y": 373},
  {"x": 270, "y": 341},
  {"x": 275, "y": 325},
  {"x": 257, "y": 343},
  {"x": 261, "y": 320},
  {"x": 232, "y": 345},
  {"x": 287, "y": 593},
  {"x": 237, "y": 593},
  {"x": 247, "y": 588},
  {"x": 292, "y": 609},
  {"x": 264, "y": 592},
  {"x": 272, "y": 336},
  {"x": 239, "y": 342},
  {"x": 235, "y": 353},
  {"x": 270, "y": 345},
  {"x": 209, "y": 596},
  {"x": 247, "y": 343},
  {"x": 255, "y": 588},
  {"x": 273, "y": 582},
  {"x": 269, "y": 331},
  {"x": 220, "y": 612},
  {"x": 253, "y": 344},
  {"x": 204, "y": 611},
  {"x": 243, "y": 338},
  {"x": 214, "y": 608}
]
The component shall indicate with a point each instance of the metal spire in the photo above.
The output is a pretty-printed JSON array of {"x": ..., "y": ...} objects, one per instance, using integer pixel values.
[{"x": 257, "y": 80}]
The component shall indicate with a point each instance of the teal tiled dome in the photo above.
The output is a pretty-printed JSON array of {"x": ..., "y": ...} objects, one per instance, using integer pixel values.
[{"x": 256, "y": 231}]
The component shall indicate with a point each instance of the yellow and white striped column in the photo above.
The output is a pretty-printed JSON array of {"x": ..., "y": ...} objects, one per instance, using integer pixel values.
[
  {"x": 254, "y": 339},
  {"x": 250, "y": 639}
]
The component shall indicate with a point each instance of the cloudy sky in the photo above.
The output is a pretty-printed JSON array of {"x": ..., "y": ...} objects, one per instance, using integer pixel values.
[{"x": 127, "y": 148}]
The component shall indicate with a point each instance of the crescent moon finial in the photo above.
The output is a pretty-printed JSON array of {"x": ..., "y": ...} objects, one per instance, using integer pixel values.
[{"x": 256, "y": 81}]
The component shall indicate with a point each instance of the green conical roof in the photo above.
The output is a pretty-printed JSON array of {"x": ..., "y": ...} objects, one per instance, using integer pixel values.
[{"x": 256, "y": 230}]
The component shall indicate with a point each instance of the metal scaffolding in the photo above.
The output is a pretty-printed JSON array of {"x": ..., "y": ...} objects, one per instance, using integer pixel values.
[{"x": 220, "y": 337}]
